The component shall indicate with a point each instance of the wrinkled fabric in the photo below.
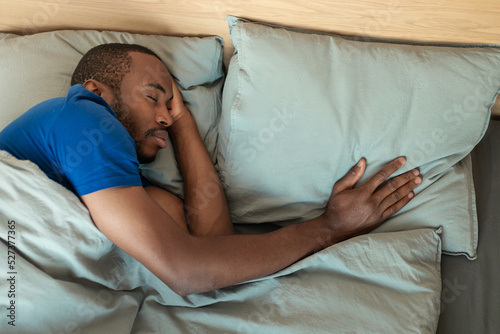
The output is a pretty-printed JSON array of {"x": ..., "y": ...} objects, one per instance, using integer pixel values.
[{"x": 69, "y": 277}]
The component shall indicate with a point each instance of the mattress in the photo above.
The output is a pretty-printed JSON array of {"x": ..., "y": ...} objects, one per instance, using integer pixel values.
[{"x": 470, "y": 298}]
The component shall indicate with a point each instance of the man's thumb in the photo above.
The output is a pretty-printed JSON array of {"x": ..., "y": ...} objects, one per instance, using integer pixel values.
[{"x": 352, "y": 176}]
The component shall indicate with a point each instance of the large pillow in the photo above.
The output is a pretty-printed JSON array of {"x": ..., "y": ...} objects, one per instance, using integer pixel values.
[
  {"x": 301, "y": 108},
  {"x": 38, "y": 67}
]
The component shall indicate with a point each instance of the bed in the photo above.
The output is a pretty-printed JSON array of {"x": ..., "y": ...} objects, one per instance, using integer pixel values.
[{"x": 287, "y": 96}]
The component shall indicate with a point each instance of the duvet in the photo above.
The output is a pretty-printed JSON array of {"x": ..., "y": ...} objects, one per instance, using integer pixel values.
[{"x": 61, "y": 275}]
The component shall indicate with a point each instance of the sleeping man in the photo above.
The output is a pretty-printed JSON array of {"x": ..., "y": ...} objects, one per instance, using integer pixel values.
[{"x": 121, "y": 108}]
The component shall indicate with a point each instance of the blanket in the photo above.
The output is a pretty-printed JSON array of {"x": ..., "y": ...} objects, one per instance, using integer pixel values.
[{"x": 59, "y": 274}]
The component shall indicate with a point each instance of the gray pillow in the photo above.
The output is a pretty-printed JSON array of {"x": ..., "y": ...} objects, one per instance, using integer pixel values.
[
  {"x": 37, "y": 67},
  {"x": 301, "y": 108}
]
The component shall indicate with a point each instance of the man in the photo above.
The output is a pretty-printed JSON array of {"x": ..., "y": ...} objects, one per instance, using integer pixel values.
[{"x": 124, "y": 101}]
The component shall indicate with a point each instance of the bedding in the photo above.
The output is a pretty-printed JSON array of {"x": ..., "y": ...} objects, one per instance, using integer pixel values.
[
  {"x": 38, "y": 67},
  {"x": 62, "y": 275},
  {"x": 332, "y": 100},
  {"x": 90, "y": 286}
]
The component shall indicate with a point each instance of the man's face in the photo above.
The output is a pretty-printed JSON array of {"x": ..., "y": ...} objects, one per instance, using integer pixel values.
[{"x": 143, "y": 104}]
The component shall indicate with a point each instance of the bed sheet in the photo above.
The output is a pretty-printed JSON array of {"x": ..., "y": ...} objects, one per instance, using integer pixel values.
[
  {"x": 470, "y": 298},
  {"x": 59, "y": 274}
]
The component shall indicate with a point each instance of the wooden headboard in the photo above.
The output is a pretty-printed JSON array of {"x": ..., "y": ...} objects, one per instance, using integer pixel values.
[{"x": 464, "y": 21}]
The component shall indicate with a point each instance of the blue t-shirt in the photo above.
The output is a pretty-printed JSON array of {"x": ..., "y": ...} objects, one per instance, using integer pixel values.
[{"x": 77, "y": 141}]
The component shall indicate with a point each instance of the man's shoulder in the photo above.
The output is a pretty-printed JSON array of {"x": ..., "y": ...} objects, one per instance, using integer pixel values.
[
  {"x": 77, "y": 108},
  {"x": 83, "y": 104},
  {"x": 84, "y": 112}
]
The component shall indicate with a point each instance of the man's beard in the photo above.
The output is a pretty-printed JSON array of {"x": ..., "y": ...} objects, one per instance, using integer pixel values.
[{"x": 123, "y": 115}]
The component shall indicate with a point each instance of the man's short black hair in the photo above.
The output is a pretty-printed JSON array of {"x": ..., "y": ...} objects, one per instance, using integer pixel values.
[{"x": 108, "y": 64}]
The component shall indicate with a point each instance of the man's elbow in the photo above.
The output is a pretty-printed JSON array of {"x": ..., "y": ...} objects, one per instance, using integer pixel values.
[
  {"x": 189, "y": 278},
  {"x": 184, "y": 286},
  {"x": 181, "y": 291}
]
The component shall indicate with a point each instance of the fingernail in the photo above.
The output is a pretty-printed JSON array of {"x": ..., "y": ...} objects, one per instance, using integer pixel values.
[
  {"x": 402, "y": 160},
  {"x": 360, "y": 163},
  {"x": 416, "y": 172},
  {"x": 418, "y": 180},
  {"x": 410, "y": 195}
]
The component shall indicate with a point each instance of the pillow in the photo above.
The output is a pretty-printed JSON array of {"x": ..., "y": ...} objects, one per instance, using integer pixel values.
[
  {"x": 38, "y": 67},
  {"x": 301, "y": 108}
]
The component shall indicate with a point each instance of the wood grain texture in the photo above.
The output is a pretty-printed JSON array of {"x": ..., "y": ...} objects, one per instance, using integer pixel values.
[{"x": 463, "y": 21}]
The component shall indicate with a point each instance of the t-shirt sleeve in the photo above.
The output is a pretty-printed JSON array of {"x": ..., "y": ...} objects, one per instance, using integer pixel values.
[{"x": 94, "y": 150}]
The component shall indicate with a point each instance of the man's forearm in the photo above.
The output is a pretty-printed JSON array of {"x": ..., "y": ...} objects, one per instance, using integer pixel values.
[
  {"x": 210, "y": 263},
  {"x": 204, "y": 199}
]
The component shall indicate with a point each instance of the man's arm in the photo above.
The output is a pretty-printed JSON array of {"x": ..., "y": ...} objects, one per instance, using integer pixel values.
[
  {"x": 171, "y": 204},
  {"x": 191, "y": 264},
  {"x": 205, "y": 203}
]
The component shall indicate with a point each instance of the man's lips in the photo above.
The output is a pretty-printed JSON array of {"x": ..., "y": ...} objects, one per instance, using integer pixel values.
[{"x": 160, "y": 138}]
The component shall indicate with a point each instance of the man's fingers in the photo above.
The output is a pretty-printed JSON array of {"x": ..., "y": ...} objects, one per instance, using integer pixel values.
[
  {"x": 392, "y": 209},
  {"x": 402, "y": 192},
  {"x": 392, "y": 186},
  {"x": 396, "y": 192},
  {"x": 382, "y": 175},
  {"x": 350, "y": 179},
  {"x": 176, "y": 92}
]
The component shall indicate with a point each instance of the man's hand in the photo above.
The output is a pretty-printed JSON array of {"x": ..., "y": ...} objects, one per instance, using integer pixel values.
[
  {"x": 177, "y": 108},
  {"x": 354, "y": 211}
]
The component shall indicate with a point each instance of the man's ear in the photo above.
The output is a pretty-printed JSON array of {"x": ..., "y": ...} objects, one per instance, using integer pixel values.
[
  {"x": 94, "y": 86},
  {"x": 99, "y": 89}
]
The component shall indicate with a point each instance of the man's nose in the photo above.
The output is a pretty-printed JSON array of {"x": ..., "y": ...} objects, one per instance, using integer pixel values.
[{"x": 164, "y": 118}]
